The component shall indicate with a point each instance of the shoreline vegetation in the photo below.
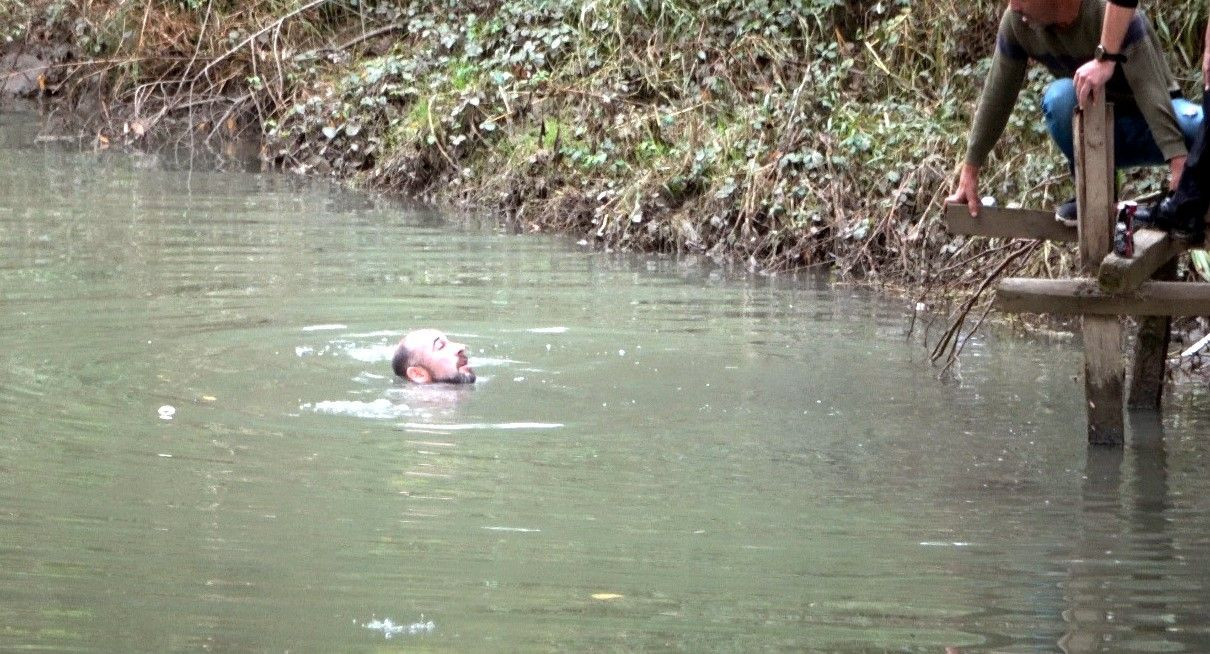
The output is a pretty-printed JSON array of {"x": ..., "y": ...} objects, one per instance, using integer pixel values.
[{"x": 774, "y": 134}]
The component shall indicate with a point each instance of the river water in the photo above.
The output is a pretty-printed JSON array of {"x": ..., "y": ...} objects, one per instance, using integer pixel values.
[{"x": 202, "y": 446}]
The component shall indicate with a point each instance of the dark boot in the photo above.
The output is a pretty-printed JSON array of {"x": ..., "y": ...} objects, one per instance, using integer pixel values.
[{"x": 1184, "y": 211}]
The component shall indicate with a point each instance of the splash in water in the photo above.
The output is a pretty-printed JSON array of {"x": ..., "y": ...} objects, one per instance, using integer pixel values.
[{"x": 389, "y": 628}]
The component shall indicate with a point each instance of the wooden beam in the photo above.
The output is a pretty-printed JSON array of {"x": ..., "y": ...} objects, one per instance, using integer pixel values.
[
  {"x": 1084, "y": 296},
  {"x": 1152, "y": 249},
  {"x": 999, "y": 222},
  {"x": 1104, "y": 370}
]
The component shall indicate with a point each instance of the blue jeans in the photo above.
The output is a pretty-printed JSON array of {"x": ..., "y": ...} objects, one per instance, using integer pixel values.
[{"x": 1133, "y": 144}]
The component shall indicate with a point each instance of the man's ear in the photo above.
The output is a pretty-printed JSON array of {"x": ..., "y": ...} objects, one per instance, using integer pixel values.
[{"x": 418, "y": 375}]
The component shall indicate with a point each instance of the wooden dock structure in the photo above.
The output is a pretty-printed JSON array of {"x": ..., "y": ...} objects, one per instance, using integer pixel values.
[{"x": 1112, "y": 286}]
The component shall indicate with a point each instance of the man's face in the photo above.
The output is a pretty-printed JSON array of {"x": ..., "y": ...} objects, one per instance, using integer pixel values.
[
  {"x": 1041, "y": 12},
  {"x": 435, "y": 358}
]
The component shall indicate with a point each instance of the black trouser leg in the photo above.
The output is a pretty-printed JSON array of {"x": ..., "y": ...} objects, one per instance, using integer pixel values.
[{"x": 1192, "y": 197}]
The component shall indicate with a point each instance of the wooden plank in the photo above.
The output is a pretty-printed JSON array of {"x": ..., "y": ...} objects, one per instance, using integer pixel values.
[
  {"x": 1149, "y": 362},
  {"x": 999, "y": 222},
  {"x": 1083, "y": 295},
  {"x": 1152, "y": 249},
  {"x": 1104, "y": 371}
]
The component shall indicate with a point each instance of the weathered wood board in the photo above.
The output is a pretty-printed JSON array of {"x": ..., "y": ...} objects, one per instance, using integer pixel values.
[{"x": 998, "y": 222}]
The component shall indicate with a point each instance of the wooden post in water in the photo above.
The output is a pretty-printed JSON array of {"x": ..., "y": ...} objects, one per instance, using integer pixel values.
[
  {"x": 1104, "y": 372},
  {"x": 1114, "y": 285},
  {"x": 1151, "y": 353}
]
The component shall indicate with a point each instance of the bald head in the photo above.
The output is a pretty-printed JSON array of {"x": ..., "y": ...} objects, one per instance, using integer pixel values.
[{"x": 426, "y": 356}]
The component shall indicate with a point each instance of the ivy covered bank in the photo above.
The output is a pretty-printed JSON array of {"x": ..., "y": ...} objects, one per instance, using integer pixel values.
[{"x": 774, "y": 133}]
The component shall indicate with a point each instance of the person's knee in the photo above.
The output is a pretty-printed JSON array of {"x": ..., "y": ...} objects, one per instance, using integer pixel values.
[
  {"x": 1189, "y": 116},
  {"x": 1059, "y": 101},
  {"x": 1058, "y": 105}
]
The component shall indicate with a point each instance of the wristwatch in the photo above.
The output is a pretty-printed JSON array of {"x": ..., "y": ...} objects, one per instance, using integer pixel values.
[{"x": 1103, "y": 55}]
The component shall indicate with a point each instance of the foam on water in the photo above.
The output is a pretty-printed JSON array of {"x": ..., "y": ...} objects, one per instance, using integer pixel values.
[
  {"x": 324, "y": 328},
  {"x": 380, "y": 409},
  {"x": 389, "y": 628},
  {"x": 487, "y": 362},
  {"x": 483, "y": 425},
  {"x": 372, "y": 353}
]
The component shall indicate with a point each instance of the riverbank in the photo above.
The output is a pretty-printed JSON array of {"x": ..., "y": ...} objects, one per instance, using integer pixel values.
[{"x": 775, "y": 135}]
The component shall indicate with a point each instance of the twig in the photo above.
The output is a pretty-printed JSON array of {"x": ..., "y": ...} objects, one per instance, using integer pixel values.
[
  {"x": 366, "y": 36},
  {"x": 252, "y": 37},
  {"x": 436, "y": 138},
  {"x": 949, "y": 339}
]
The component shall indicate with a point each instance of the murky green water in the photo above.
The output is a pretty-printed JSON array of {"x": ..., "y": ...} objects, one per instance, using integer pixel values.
[{"x": 725, "y": 463}]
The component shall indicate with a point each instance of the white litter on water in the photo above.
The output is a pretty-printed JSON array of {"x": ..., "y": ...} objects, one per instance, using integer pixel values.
[
  {"x": 323, "y": 328},
  {"x": 389, "y": 628},
  {"x": 934, "y": 543},
  {"x": 484, "y": 425},
  {"x": 167, "y": 412}
]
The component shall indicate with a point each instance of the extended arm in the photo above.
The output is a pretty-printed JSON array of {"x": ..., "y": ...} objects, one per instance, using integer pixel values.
[
  {"x": 995, "y": 105},
  {"x": 1147, "y": 73}
]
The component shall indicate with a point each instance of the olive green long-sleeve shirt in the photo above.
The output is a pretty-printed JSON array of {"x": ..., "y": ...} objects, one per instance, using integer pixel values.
[{"x": 1141, "y": 85}]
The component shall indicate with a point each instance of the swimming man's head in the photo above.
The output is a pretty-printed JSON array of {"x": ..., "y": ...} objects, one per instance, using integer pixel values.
[{"x": 426, "y": 356}]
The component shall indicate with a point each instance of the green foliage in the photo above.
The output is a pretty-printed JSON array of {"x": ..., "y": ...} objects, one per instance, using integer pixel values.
[{"x": 786, "y": 132}]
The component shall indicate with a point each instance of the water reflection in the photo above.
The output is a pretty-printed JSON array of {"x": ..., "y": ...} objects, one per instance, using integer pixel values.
[{"x": 1124, "y": 589}]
